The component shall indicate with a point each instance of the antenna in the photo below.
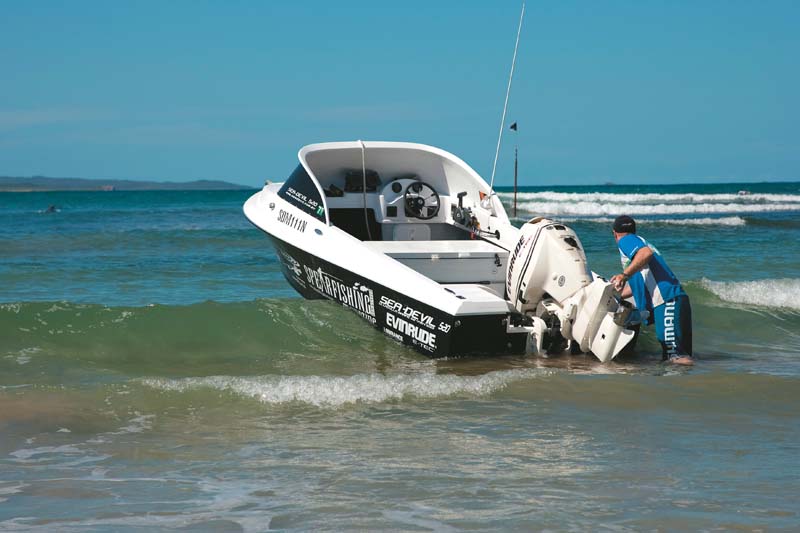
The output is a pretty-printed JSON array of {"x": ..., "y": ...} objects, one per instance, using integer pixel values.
[
  {"x": 364, "y": 186},
  {"x": 508, "y": 92}
]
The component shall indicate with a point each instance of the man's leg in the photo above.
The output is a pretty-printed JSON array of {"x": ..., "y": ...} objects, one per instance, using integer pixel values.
[
  {"x": 671, "y": 320},
  {"x": 658, "y": 321},
  {"x": 683, "y": 324}
]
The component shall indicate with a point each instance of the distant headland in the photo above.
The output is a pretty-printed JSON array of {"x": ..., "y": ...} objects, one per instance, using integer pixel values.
[{"x": 41, "y": 184}]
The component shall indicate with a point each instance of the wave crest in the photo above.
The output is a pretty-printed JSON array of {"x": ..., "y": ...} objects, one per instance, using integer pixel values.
[
  {"x": 780, "y": 293},
  {"x": 654, "y": 198},
  {"x": 335, "y": 391},
  {"x": 613, "y": 208},
  {"x": 704, "y": 221}
]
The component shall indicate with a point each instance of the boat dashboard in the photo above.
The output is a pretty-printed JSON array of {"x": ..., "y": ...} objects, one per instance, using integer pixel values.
[{"x": 404, "y": 209}]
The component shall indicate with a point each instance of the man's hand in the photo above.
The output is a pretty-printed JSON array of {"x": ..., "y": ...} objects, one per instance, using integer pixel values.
[
  {"x": 619, "y": 281},
  {"x": 639, "y": 261}
]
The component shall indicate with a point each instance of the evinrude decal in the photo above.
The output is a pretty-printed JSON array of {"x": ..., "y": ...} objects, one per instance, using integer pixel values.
[
  {"x": 292, "y": 221},
  {"x": 510, "y": 270},
  {"x": 531, "y": 249},
  {"x": 357, "y": 297},
  {"x": 419, "y": 336}
]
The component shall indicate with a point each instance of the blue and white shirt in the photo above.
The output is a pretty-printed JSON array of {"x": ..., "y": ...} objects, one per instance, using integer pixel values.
[{"x": 655, "y": 283}]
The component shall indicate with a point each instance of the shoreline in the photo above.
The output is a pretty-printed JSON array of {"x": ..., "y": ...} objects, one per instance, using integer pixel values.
[{"x": 45, "y": 184}]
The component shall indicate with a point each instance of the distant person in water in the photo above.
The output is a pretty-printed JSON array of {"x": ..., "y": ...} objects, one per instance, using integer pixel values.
[
  {"x": 646, "y": 276},
  {"x": 51, "y": 209}
]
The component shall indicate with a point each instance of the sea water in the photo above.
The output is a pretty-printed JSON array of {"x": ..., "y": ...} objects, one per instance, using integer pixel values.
[{"x": 157, "y": 372}]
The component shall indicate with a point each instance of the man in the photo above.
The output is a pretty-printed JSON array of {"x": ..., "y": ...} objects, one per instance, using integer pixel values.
[{"x": 646, "y": 276}]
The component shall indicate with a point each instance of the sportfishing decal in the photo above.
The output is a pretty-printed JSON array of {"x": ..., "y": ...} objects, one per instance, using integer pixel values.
[{"x": 356, "y": 296}]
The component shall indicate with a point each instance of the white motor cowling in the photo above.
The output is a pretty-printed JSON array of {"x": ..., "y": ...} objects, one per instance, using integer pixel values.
[
  {"x": 548, "y": 259},
  {"x": 548, "y": 278}
]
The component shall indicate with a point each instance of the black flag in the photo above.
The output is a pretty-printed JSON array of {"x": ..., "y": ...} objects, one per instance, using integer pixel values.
[{"x": 513, "y": 127}]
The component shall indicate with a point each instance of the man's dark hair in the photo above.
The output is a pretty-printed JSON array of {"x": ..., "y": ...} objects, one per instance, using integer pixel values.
[{"x": 624, "y": 224}]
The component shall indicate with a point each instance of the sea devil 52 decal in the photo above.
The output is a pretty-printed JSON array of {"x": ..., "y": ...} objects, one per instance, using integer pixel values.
[
  {"x": 357, "y": 297},
  {"x": 415, "y": 316},
  {"x": 302, "y": 201},
  {"x": 302, "y": 191}
]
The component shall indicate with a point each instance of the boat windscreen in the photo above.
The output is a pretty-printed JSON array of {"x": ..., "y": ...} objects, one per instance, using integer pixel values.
[{"x": 301, "y": 191}]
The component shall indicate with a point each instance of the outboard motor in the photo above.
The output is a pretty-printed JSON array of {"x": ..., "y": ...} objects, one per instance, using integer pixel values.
[{"x": 549, "y": 280}]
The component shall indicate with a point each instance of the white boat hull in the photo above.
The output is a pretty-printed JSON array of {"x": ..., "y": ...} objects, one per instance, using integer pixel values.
[{"x": 434, "y": 264}]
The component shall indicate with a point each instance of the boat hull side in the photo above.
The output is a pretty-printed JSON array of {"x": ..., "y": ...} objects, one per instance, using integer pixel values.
[{"x": 427, "y": 329}]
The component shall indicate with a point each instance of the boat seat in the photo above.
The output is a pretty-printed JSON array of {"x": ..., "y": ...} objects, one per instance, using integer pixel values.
[
  {"x": 444, "y": 249},
  {"x": 460, "y": 261}
]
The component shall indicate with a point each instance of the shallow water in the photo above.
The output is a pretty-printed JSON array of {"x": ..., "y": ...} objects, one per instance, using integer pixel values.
[{"x": 156, "y": 372}]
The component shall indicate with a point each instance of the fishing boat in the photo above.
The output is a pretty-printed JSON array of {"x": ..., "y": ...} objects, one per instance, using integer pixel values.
[{"x": 413, "y": 240}]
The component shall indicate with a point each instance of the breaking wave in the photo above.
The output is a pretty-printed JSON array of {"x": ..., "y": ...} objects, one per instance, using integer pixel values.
[
  {"x": 614, "y": 208},
  {"x": 266, "y": 335},
  {"x": 655, "y": 198},
  {"x": 704, "y": 221},
  {"x": 334, "y": 391},
  {"x": 601, "y": 203},
  {"x": 778, "y": 293}
]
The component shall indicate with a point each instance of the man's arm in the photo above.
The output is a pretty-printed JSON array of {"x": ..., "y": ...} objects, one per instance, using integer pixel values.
[
  {"x": 640, "y": 260},
  {"x": 626, "y": 291}
]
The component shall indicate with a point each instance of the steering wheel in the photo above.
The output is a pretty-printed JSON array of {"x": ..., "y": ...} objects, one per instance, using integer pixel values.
[{"x": 421, "y": 201}]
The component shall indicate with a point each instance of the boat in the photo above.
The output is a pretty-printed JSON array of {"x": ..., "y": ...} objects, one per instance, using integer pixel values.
[{"x": 413, "y": 240}]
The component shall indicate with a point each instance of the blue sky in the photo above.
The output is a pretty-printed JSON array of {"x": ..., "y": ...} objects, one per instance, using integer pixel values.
[{"x": 623, "y": 91}]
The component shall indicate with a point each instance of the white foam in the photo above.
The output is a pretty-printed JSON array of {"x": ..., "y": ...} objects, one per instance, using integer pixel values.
[
  {"x": 781, "y": 293},
  {"x": 29, "y": 454},
  {"x": 705, "y": 221},
  {"x": 24, "y": 356},
  {"x": 652, "y": 198},
  {"x": 137, "y": 424},
  {"x": 584, "y": 208},
  {"x": 334, "y": 391},
  {"x": 8, "y": 490}
]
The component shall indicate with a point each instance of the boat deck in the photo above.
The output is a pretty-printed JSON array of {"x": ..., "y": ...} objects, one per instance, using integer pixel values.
[
  {"x": 443, "y": 249},
  {"x": 452, "y": 262}
]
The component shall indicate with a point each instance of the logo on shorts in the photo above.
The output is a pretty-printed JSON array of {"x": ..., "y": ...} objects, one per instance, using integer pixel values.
[{"x": 669, "y": 328}]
